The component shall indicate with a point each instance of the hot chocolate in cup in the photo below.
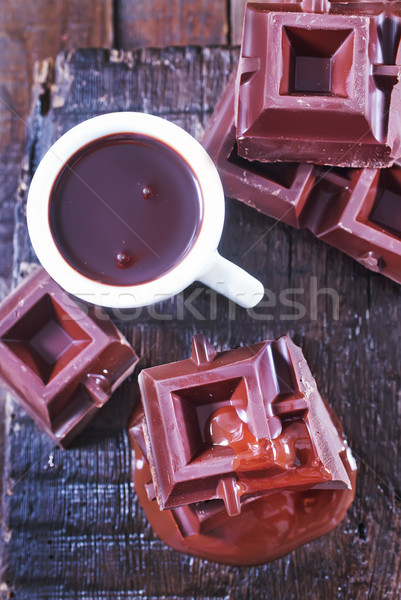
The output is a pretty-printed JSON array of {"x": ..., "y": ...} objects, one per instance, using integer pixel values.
[{"x": 127, "y": 209}]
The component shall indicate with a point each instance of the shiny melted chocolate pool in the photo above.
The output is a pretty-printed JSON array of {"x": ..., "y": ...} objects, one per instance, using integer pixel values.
[{"x": 125, "y": 209}]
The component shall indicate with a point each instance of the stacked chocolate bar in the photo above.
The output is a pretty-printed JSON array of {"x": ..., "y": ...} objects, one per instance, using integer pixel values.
[
  {"x": 237, "y": 457},
  {"x": 308, "y": 130}
]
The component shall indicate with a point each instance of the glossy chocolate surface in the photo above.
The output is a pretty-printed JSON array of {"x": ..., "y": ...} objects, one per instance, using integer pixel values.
[
  {"x": 125, "y": 209},
  {"x": 285, "y": 477},
  {"x": 61, "y": 362},
  {"x": 319, "y": 82},
  {"x": 356, "y": 210},
  {"x": 279, "y": 190},
  {"x": 235, "y": 424}
]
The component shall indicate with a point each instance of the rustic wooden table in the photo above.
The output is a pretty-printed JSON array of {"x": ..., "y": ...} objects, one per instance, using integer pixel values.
[{"x": 72, "y": 526}]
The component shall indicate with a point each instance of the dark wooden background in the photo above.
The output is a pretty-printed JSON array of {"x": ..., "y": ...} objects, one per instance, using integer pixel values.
[{"x": 71, "y": 526}]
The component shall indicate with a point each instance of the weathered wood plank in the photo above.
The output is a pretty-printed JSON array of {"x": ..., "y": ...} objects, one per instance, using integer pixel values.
[
  {"x": 73, "y": 527},
  {"x": 159, "y": 23},
  {"x": 33, "y": 31},
  {"x": 237, "y": 10}
]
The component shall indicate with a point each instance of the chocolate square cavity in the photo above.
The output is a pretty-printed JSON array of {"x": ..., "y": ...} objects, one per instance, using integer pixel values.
[
  {"x": 234, "y": 424},
  {"x": 61, "y": 361},
  {"x": 312, "y": 74},
  {"x": 386, "y": 210}
]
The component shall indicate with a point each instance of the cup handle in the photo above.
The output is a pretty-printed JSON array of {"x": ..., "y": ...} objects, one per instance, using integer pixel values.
[{"x": 233, "y": 282}]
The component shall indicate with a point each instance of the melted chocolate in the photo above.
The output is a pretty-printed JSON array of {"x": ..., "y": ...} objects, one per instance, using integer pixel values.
[
  {"x": 125, "y": 209},
  {"x": 267, "y": 527},
  {"x": 239, "y": 469}
]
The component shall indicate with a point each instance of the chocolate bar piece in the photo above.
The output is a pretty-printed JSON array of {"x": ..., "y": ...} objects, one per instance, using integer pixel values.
[
  {"x": 236, "y": 456},
  {"x": 61, "y": 362},
  {"x": 279, "y": 190},
  {"x": 232, "y": 425},
  {"x": 320, "y": 87},
  {"x": 356, "y": 210},
  {"x": 191, "y": 519}
]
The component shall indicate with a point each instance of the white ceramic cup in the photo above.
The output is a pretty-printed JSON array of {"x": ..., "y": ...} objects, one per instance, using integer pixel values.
[{"x": 201, "y": 263}]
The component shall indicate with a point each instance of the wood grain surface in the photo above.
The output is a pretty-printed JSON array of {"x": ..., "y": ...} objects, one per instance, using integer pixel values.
[
  {"x": 72, "y": 526},
  {"x": 177, "y": 22}
]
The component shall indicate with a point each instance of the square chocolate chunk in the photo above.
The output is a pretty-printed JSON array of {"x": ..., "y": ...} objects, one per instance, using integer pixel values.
[
  {"x": 61, "y": 359},
  {"x": 320, "y": 83},
  {"x": 233, "y": 424}
]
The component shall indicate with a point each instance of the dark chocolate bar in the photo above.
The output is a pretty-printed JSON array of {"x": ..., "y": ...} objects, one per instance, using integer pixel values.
[
  {"x": 230, "y": 425},
  {"x": 279, "y": 190},
  {"x": 61, "y": 362},
  {"x": 321, "y": 87},
  {"x": 355, "y": 210}
]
